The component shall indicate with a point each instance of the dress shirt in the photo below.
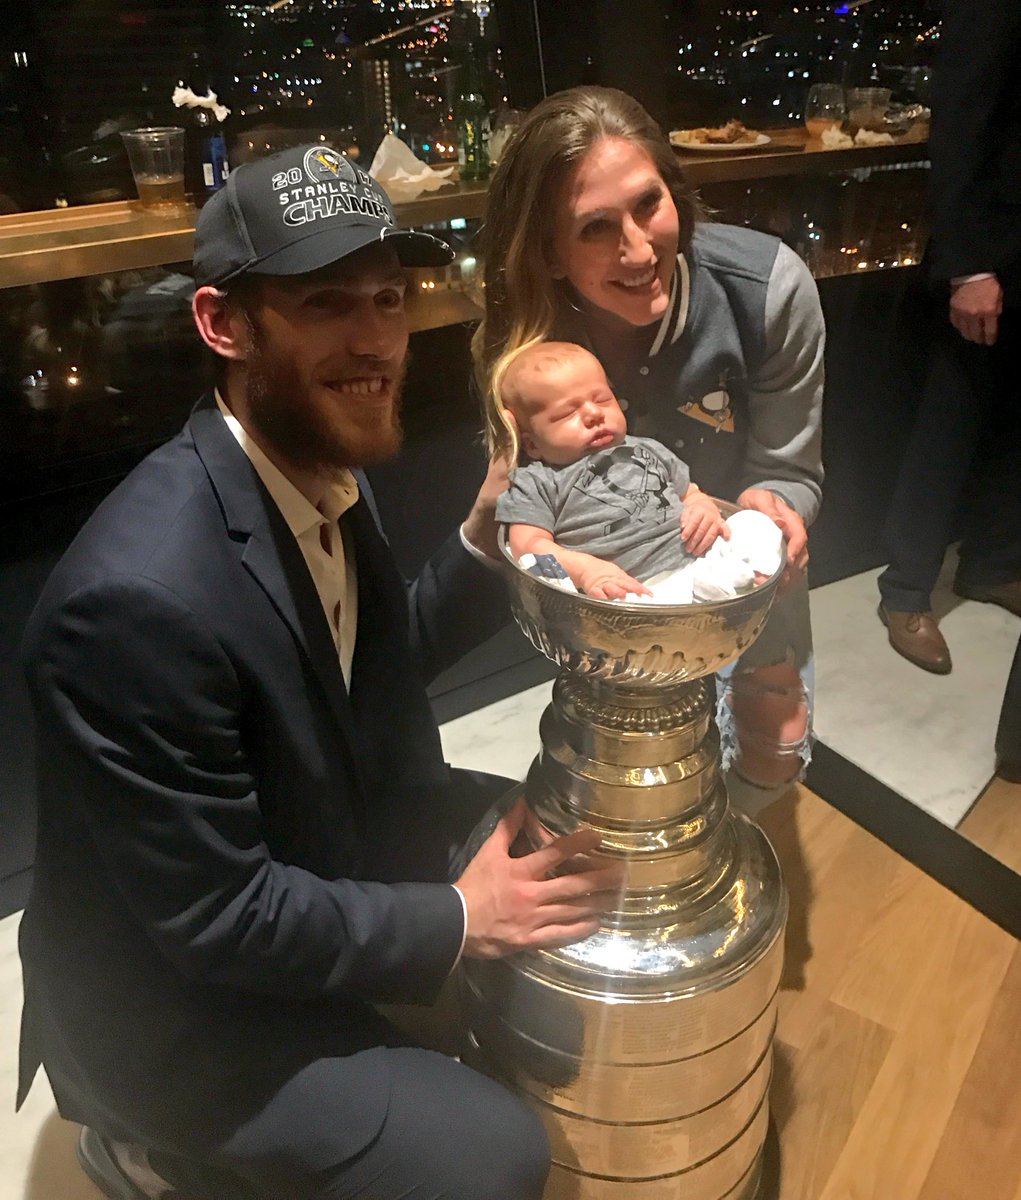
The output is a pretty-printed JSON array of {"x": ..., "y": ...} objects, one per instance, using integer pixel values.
[{"x": 315, "y": 527}]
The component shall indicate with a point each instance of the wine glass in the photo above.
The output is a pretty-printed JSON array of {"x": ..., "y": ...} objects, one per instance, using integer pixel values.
[{"x": 824, "y": 109}]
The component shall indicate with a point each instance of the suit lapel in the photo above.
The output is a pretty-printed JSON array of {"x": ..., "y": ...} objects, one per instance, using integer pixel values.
[{"x": 272, "y": 557}]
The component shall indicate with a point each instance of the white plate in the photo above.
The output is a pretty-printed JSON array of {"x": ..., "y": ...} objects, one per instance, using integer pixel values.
[{"x": 717, "y": 147}]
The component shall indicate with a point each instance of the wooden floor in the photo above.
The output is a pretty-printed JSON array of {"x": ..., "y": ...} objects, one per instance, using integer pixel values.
[
  {"x": 994, "y": 823},
  {"x": 898, "y": 1056}
]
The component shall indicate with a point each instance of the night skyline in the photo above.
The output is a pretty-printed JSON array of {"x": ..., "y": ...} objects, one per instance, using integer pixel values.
[{"x": 351, "y": 69}]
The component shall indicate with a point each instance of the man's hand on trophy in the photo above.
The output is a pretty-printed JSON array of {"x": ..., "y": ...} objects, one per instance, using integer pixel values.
[
  {"x": 518, "y": 903},
  {"x": 480, "y": 526}
]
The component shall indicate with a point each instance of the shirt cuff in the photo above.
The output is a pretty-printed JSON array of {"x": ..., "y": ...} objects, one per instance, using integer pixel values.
[
  {"x": 959, "y": 279},
  {"x": 464, "y": 930},
  {"x": 478, "y": 555}
]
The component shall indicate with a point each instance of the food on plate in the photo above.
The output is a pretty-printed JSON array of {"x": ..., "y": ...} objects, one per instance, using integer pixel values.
[{"x": 723, "y": 135}]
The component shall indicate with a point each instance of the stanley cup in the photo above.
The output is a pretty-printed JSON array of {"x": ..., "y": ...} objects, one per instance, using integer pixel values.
[{"x": 647, "y": 1047}]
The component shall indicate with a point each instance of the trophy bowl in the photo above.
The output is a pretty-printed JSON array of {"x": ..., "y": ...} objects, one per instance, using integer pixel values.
[
  {"x": 636, "y": 645},
  {"x": 646, "y": 1047}
]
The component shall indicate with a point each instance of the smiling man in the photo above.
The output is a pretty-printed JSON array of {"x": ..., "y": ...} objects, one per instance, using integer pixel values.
[{"x": 246, "y": 823}]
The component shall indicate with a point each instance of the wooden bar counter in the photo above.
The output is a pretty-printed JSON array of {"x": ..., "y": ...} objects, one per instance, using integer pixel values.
[{"x": 41, "y": 247}]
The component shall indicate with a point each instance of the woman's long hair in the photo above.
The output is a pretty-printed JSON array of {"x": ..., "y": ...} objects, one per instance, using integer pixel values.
[{"x": 522, "y": 297}]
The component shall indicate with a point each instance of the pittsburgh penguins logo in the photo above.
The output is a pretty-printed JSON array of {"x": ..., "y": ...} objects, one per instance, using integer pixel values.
[
  {"x": 627, "y": 478},
  {"x": 323, "y": 163}
]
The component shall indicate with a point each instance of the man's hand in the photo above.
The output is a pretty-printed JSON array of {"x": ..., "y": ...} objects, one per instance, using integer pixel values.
[
  {"x": 513, "y": 904},
  {"x": 791, "y": 526},
  {"x": 701, "y": 522},
  {"x": 480, "y": 527},
  {"x": 975, "y": 309},
  {"x": 601, "y": 579}
]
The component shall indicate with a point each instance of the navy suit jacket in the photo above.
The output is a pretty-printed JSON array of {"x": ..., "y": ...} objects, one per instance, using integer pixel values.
[
  {"x": 213, "y": 903},
  {"x": 975, "y": 144}
]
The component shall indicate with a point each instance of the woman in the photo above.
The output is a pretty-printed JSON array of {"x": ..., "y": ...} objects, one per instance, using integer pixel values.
[{"x": 712, "y": 339}]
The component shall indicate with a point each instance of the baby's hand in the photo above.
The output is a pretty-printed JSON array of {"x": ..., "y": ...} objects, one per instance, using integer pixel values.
[
  {"x": 701, "y": 522},
  {"x": 605, "y": 581}
]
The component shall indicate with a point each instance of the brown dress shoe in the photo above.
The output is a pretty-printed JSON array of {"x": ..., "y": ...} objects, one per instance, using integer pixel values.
[
  {"x": 916, "y": 635},
  {"x": 1006, "y": 595}
]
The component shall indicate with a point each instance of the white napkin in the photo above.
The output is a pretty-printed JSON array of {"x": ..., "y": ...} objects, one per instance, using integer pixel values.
[
  {"x": 835, "y": 139},
  {"x": 402, "y": 175},
  {"x": 755, "y": 540}
]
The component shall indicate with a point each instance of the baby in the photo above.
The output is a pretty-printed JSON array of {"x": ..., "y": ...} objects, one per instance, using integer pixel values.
[{"x": 615, "y": 510}]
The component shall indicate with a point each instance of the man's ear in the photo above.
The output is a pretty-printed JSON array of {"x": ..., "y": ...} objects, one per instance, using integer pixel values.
[{"x": 220, "y": 325}]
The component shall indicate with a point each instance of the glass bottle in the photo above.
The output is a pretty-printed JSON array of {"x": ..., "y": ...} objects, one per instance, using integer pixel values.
[
  {"x": 472, "y": 117},
  {"x": 206, "y": 168},
  {"x": 208, "y": 155}
]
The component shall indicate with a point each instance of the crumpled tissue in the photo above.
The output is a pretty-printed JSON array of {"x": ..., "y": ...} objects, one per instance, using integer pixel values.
[
  {"x": 402, "y": 175},
  {"x": 185, "y": 98}
]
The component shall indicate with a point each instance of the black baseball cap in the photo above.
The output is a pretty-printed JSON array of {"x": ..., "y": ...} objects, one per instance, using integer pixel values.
[{"x": 299, "y": 210}]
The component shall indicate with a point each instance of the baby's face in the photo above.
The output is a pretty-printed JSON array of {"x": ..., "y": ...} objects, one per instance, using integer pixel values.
[{"x": 569, "y": 412}]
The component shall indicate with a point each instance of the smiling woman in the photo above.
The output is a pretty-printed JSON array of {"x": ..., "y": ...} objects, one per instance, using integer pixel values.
[
  {"x": 617, "y": 233},
  {"x": 711, "y": 338}
]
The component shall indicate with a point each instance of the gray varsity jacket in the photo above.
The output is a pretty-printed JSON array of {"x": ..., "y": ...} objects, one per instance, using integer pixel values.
[{"x": 733, "y": 382}]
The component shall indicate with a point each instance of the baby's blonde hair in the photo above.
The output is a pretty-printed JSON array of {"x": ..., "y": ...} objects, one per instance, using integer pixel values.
[{"x": 507, "y": 396}]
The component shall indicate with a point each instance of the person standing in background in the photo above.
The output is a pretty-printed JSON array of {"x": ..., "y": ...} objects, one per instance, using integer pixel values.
[{"x": 966, "y": 441}]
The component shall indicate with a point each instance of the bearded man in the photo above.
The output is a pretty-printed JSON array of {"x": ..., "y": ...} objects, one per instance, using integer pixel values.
[{"x": 246, "y": 824}]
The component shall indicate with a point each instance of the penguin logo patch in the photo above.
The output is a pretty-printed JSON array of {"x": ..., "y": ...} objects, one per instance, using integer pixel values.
[{"x": 714, "y": 409}]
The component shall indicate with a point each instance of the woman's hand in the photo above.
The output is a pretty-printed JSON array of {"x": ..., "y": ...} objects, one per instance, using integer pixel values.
[
  {"x": 791, "y": 526},
  {"x": 701, "y": 522}
]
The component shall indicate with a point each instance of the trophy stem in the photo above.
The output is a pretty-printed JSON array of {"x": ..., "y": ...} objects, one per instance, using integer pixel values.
[{"x": 647, "y": 1047}]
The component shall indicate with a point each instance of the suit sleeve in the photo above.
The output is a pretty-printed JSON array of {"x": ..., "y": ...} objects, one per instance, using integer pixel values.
[
  {"x": 455, "y": 603},
  {"x": 154, "y": 743},
  {"x": 975, "y": 78}
]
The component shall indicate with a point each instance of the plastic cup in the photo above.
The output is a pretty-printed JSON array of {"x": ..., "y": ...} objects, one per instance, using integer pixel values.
[
  {"x": 824, "y": 109},
  {"x": 157, "y": 163}
]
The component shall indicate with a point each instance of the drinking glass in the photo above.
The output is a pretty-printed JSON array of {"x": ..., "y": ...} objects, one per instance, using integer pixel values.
[
  {"x": 866, "y": 107},
  {"x": 156, "y": 155},
  {"x": 824, "y": 109}
]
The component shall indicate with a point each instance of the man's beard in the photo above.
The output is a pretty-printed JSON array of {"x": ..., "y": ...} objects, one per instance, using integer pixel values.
[{"x": 311, "y": 437}]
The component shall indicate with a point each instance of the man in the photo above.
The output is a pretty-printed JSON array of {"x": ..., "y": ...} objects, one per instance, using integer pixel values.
[
  {"x": 969, "y": 420},
  {"x": 245, "y": 819}
]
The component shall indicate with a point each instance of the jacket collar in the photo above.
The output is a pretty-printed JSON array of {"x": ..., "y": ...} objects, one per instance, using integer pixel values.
[
  {"x": 271, "y": 554},
  {"x": 675, "y": 317},
  {"x": 573, "y": 324}
]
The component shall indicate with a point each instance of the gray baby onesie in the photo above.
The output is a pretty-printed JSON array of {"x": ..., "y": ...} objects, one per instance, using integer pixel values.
[{"x": 622, "y": 504}]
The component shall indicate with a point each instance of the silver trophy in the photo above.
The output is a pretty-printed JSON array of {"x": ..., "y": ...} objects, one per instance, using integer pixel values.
[{"x": 647, "y": 1047}]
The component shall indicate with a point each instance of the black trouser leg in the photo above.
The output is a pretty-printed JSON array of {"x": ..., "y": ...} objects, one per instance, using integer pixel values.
[
  {"x": 991, "y": 541},
  {"x": 936, "y": 463},
  {"x": 449, "y": 1134},
  {"x": 1008, "y": 733}
]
